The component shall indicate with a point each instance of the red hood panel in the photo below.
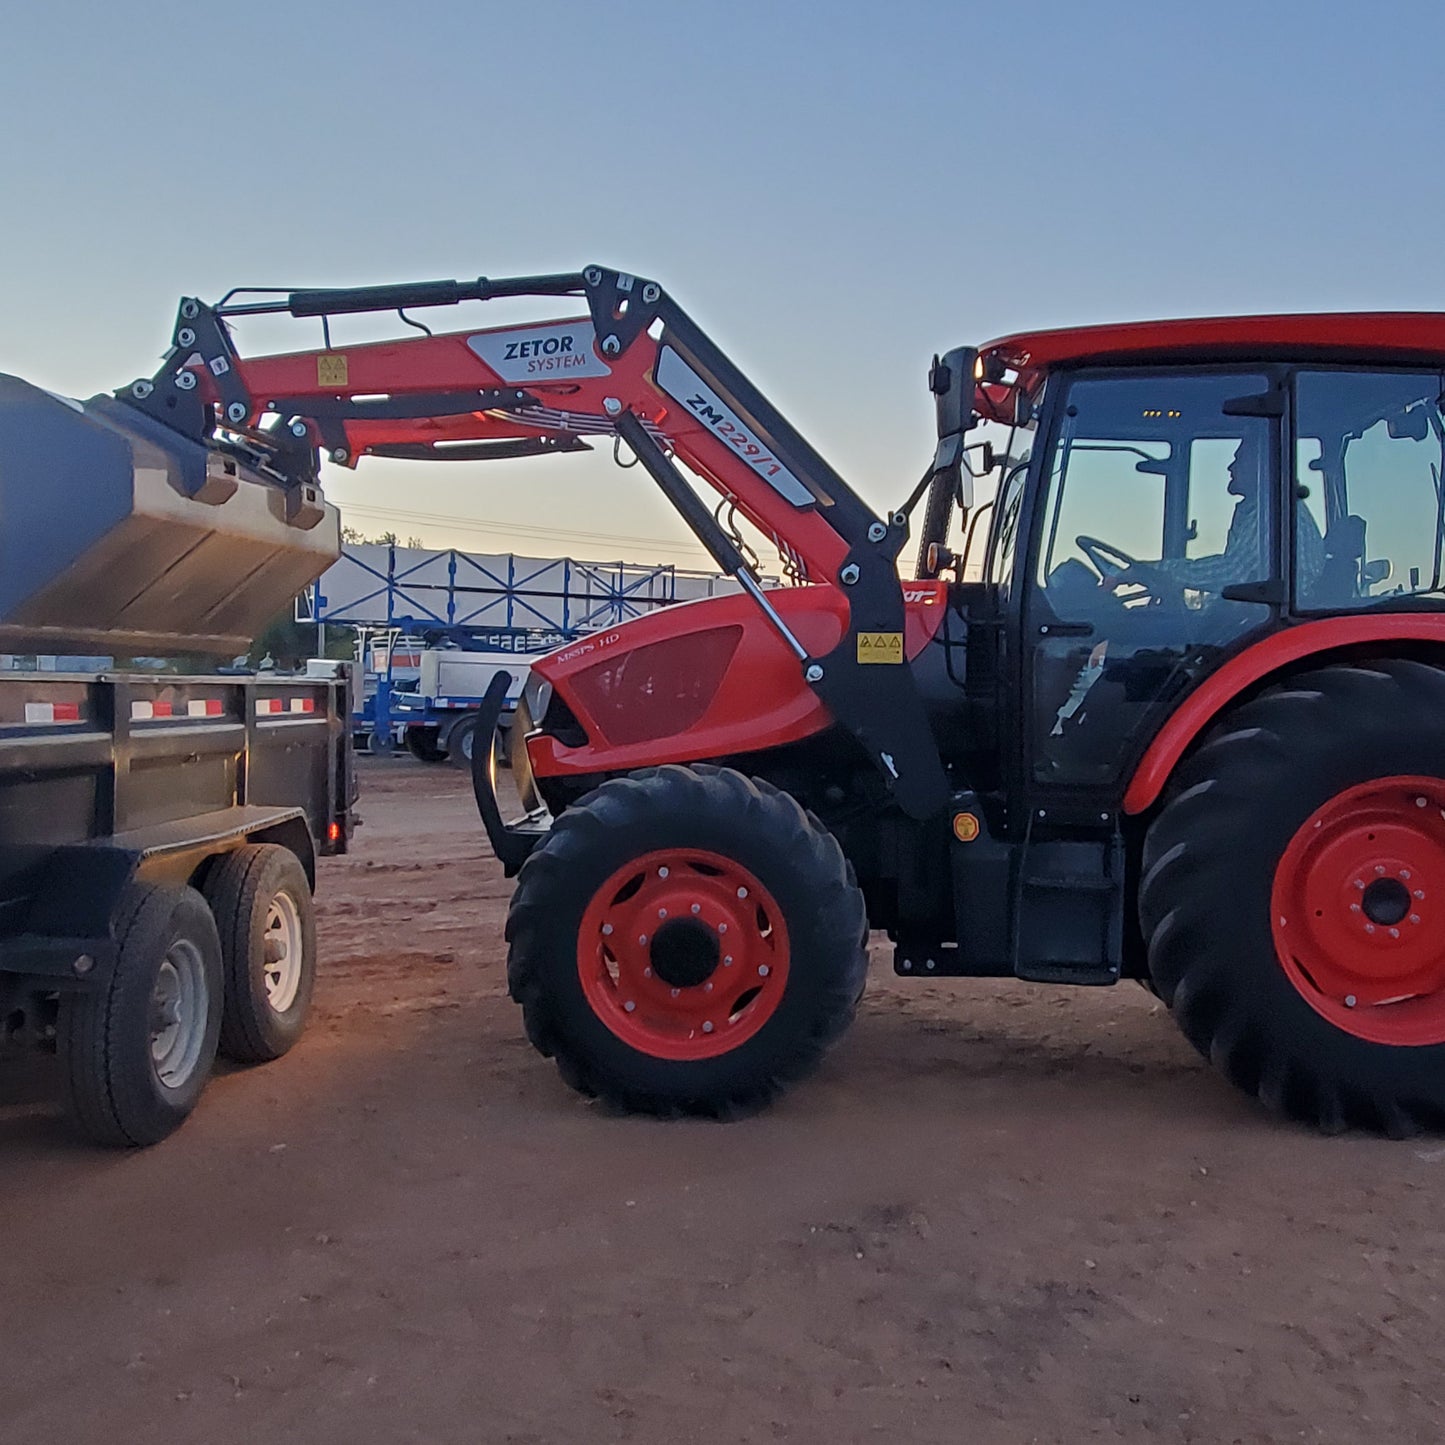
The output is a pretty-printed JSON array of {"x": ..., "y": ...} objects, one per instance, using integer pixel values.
[{"x": 758, "y": 698}]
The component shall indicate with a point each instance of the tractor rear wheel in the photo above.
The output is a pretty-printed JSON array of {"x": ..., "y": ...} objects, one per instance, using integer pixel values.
[
  {"x": 686, "y": 941},
  {"x": 1293, "y": 897}
]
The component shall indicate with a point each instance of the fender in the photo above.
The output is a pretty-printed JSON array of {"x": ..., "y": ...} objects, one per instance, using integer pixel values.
[{"x": 1293, "y": 644}]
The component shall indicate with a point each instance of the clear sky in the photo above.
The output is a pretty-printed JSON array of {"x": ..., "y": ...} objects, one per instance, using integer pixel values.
[{"x": 834, "y": 191}]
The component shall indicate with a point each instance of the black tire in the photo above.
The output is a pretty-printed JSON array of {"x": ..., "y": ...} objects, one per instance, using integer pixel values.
[
  {"x": 1209, "y": 865},
  {"x": 118, "y": 1093},
  {"x": 459, "y": 743},
  {"x": 422, "y": 745},
  {"x": 242, "y": 889},
  {"x": 772, "y": 839}
]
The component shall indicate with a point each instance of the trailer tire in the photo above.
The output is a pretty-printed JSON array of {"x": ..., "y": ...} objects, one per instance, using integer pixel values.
[
  {"x": 742, "y": 878},
  {"x": 460, "y": 741},
  {"x": 137, "y": 1053},
  {"x": 1279, "y": 935},
  {"x": 421, "y": 744},
  {"x": 267, "y": 923}
]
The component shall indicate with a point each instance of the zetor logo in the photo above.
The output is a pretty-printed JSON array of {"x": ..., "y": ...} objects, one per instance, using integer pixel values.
[{"x": 546, "y": 346}]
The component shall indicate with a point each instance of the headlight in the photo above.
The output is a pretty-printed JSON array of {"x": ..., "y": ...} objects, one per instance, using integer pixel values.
[{"x": 537, "y": 694}]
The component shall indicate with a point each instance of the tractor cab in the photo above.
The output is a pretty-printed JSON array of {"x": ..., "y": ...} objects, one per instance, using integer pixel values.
[{"x": 1155, "y": 514}]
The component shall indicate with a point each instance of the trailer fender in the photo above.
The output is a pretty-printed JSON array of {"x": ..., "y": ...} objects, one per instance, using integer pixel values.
[{"x": 1306, "y": 642}]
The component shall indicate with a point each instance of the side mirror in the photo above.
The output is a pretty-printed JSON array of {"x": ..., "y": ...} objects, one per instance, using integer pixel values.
[
  {"x": 1380, "y": 570},
  {"x": 951, "y": 380}
]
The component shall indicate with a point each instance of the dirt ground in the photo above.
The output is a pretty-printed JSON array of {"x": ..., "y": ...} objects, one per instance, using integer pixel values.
[{"x": 1000, "y": 1213}]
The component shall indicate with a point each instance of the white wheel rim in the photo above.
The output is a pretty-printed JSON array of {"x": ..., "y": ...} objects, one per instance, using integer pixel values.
[
  {"x": 180, "y": 1009},
  {"x": 283, "y": 950}
]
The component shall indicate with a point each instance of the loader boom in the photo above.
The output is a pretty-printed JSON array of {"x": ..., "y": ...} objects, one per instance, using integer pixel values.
[{"x": 636, "y": 367}]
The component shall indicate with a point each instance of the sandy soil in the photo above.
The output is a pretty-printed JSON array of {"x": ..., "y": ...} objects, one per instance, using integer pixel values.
[{"x": 1001, "y": 1213}]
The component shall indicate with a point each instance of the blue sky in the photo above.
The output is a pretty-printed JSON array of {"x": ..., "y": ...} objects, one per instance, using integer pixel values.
[{"x": 834, "y": 191}]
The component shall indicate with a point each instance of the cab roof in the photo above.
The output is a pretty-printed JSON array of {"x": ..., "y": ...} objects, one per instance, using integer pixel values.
[
  {"x": 1404, "y": 336},
  {"x": 1414, "y": 335}
]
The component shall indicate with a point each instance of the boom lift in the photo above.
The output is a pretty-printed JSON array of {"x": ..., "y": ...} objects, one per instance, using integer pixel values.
[{"x": 1183, "y": 728}]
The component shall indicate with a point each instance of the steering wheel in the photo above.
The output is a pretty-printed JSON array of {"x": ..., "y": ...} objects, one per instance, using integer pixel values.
[{"x": 1110, "y": 561}]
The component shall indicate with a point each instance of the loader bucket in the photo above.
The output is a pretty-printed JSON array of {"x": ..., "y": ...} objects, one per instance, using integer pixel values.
[{"x": 120, "y": 535}]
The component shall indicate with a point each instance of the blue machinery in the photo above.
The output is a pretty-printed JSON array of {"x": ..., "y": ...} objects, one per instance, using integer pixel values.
[{"x": 485, "y": 602}]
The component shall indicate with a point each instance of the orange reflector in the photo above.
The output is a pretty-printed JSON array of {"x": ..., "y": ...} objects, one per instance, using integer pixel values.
[
  {"x": 333, "y": 832},
  {"x": 966, "y": 827}
]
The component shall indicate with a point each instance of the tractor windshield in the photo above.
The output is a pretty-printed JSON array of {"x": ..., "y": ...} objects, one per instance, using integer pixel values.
[{"x": 1369, "y": 455}]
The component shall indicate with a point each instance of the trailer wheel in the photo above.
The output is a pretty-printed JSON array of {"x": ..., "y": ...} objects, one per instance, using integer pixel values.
[
  {"x": 422, "y": 745},
  {"x": 1293, "y": 897},
  {"x": 686, "y": 942},
  {"x": 137, "y": 1054},
  {"x": 460, "y": 741},
  {"x": 267, "y": 922}
]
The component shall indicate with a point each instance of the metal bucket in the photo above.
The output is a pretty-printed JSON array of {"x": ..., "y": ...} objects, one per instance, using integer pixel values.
[{"x": 120, "y": 535}]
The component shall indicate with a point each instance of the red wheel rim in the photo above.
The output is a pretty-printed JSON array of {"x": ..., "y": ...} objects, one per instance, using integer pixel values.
[
  {"x": 683, "y": 954},
  {"x": 1359, "y": 911}
]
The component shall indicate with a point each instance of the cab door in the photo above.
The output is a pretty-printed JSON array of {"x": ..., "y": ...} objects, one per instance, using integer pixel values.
[{"x": 1154, "y": 552}]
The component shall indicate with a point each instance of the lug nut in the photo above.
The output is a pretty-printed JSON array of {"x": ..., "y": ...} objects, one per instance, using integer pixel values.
[
  {"x": 1422, "y": 803},
  {"x": 647, "y": 973},
  {"x": 662, "y": 913},
  {"x": 662, "y": 872},
  {"x": 643, "y": 939},
  {"x": 707, "y": 987},
  {"x": 674, "y": 993},
  {"x": 697, "y": 907},
  {"x": 707, "y": 1026},
  {"x": 1414, "y": 918},
  {"x": 1380, "y": 870},
  {"x": 742, "y": 892},
  {"x": 728, "y": 961},
  {"x": 1349, "y": 1000},
  {"x": 763, "y": 970},
  {"x": 606, "y": 930},
  {"x": 722, "y": 928},
  {"x": 629, "y": 1005}
]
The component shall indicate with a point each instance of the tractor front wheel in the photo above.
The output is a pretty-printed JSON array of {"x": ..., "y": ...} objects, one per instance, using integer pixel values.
[
  {"x": 1293, "y": 897},
  {"x": 686, "y": 941}
]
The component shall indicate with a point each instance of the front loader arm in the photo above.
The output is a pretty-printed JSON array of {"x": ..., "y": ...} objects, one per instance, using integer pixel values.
[{"x": 636, "y": 367}]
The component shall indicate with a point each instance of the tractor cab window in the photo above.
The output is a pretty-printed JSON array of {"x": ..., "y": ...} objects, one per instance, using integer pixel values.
[
  {"x": 1159, "y": 501},
  {"x": 1369, "y": 456}
]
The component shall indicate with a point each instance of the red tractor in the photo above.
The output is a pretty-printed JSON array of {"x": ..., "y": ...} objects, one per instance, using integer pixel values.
[{"x": 1166, "y": 706}]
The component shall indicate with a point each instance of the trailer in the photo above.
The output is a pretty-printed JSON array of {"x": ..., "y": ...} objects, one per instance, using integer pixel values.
[
  {"x": 159, "y": 830},
  {"x": 438, "y": 721}
]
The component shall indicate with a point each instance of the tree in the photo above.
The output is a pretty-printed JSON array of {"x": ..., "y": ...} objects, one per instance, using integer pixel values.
[{"x": 358, "y": 538}]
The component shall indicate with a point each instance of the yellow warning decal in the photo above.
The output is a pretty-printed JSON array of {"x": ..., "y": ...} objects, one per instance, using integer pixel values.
[
  {"x": 331, "y": 369},
  {"x": 880, "y": 647}
]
